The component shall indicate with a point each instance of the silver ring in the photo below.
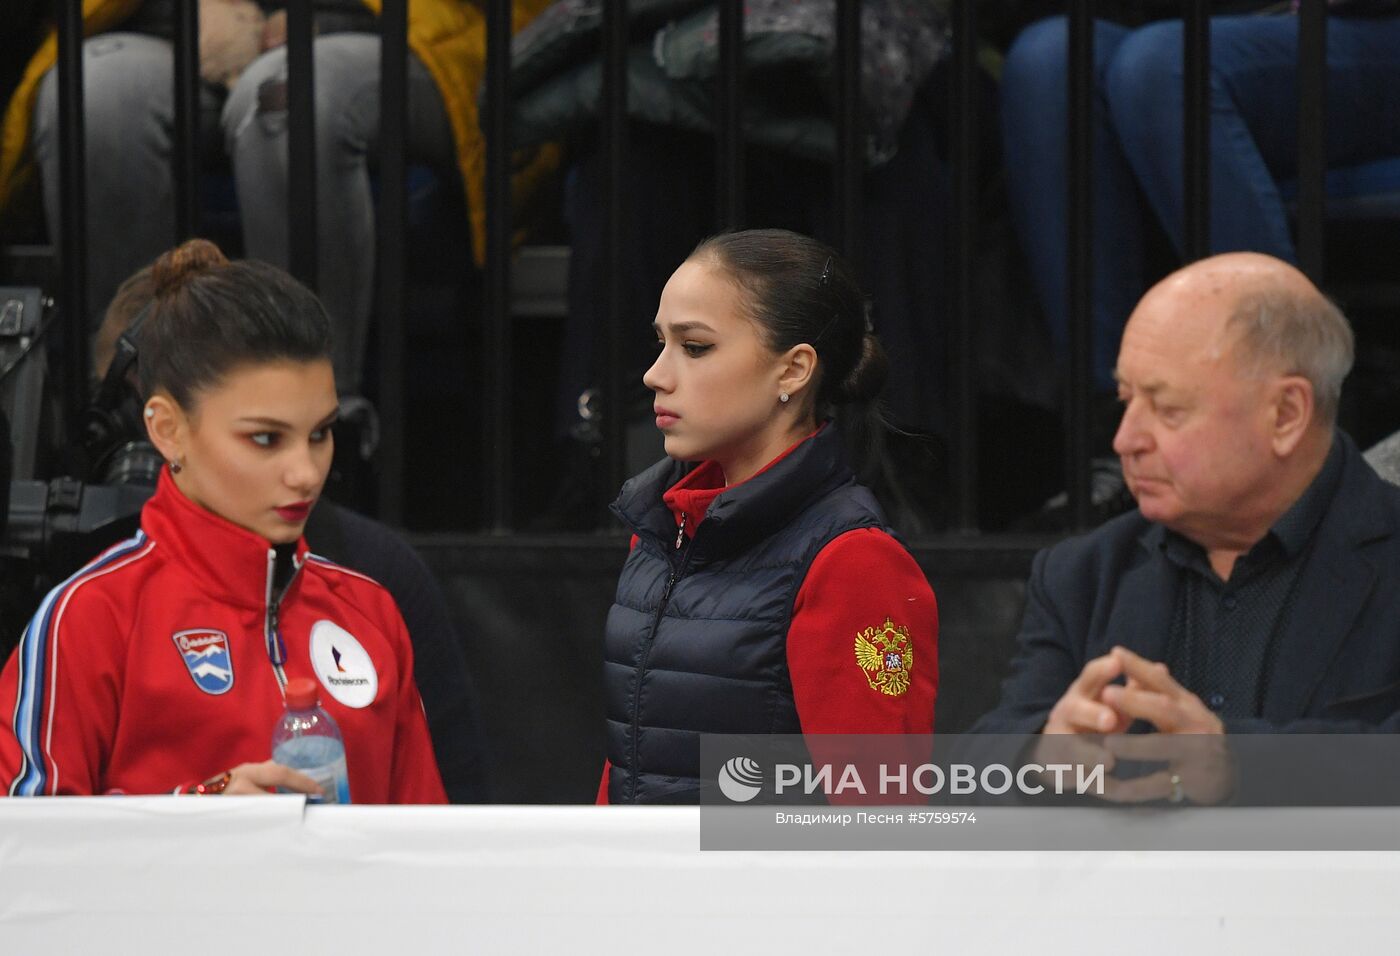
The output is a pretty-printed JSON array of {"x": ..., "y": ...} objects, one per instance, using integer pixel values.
[{"x": 1177, "y": 794}]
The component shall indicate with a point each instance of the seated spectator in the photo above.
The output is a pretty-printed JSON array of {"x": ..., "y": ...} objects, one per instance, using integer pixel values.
[
  {"x": 105, "y": 697},
  {"x": 129, "y": 114},
  {"x": 790, "y": 143},
  {"x": 1138, "y": 105},
  {"x": 1257, "y": 586},
  {"x": 362, "y": 544}
]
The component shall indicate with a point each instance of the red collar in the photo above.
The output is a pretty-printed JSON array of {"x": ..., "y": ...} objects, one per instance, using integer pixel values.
[
  {"x": 692, "y": 496},
  {"x": 229, "y": 563}
]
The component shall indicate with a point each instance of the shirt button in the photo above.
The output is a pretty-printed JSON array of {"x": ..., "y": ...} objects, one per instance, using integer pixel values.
[
  {"x": 1216, "y": 701},
  {"x": 1229, "y": 602}
]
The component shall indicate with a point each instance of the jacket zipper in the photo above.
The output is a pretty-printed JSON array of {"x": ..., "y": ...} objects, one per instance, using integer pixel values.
[
  {"x": 675, "y": 575},
  {"x": 272, "y": 632}
]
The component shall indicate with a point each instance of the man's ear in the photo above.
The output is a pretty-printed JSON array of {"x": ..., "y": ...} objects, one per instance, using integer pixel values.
[
  {"x": 167, "y": 426},
  {"x": 1294, "y": 407},
  {"x": 798, "y": 368}
]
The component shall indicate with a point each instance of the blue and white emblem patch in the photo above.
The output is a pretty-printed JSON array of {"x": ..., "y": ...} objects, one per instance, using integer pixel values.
[{"x": 205, "y": 653}]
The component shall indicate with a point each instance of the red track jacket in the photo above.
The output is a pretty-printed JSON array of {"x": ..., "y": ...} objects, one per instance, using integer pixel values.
[{"x": 152, "y": 667}]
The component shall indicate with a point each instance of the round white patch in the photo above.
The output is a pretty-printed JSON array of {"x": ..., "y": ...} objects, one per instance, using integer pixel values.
[{"x": 342, "y": 666}]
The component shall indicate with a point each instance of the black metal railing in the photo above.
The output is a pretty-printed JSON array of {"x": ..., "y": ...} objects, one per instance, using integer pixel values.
[
  {"x": 497, "y": 340},
  {"x": 847, "y": 180}
]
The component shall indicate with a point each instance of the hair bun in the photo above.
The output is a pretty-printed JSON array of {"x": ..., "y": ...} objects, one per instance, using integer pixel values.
[
  {"x": 867, "y": 377},
  {"x": 174, "y": 268}
]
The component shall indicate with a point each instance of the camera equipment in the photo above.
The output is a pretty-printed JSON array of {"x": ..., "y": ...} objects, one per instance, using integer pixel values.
[{"x": 52, "y": 526}]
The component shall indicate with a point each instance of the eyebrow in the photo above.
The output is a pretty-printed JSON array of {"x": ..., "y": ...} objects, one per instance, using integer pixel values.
[
  {"x": 278, "y": 423},
  {"x": 682, "y": 327},
  {"x": 1148, "y": 387}
]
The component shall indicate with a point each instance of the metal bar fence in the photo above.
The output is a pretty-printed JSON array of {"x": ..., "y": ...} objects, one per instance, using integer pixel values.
[
  {"x": 301, "y": 143},
  {"x": 185, "y": 158},
  {"x": 847, "y": 171},
  {"x": 391, "y": 225},
  {"x": 963, "y": 139},
  {"x": 729, "y": 119},
  {"x": 847, "y": 176},
  {"x": 1312, "y": 152},
  {"x": 1080, "y": 259},
  {"x": 1196, "y": 72},
  {"x": 73, "y": 210},
  {"x": 496, "y": 367},
  {"x": 614, "y": 328}
]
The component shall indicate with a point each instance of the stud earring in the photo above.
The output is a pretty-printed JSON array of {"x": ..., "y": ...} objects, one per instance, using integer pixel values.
[
  {"x": 176, "y": 467},
  {"x": 150, "y": 413},
  {"x": 784, "y": 398}
]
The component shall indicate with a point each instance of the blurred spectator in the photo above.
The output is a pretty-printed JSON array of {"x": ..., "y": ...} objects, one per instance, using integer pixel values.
[
  {"x": 129, "y": 120},
  {"x": 1138, "y": 146},
  {"x": 790, "y": 140}
]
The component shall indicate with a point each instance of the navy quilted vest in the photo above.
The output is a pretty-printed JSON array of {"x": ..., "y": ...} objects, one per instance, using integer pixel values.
[{"x": 696, "y": 638}]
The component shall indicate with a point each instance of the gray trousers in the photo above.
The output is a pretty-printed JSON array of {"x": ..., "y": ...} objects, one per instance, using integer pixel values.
[{"x": 129, "y": 112}]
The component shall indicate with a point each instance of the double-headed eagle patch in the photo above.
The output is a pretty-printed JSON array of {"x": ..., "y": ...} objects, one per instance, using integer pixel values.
[{"x": 886, "y": 656}]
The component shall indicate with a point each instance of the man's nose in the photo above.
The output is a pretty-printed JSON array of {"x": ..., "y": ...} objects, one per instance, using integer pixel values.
[{"x": 1131, "y": 437}]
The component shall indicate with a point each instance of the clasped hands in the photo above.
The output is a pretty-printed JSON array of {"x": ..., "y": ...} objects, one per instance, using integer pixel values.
[{"x": 1190, "y": 738}]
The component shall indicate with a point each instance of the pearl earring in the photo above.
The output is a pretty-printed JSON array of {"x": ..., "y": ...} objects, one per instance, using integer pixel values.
[
  {"x": 784, "y": 398},
  {"x": 150, "y": 413}
]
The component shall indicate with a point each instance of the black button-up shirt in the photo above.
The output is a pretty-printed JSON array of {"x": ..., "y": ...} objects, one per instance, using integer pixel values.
[{"x": 1222, "y": 631}]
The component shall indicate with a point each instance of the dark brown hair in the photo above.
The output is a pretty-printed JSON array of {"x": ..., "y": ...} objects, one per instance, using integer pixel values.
[
  {"x": 208, "y": 315},
  {"x": 798, "y": 290}
]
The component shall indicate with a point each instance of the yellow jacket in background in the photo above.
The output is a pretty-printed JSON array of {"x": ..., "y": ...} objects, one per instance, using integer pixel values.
[{"x": 447, "y": 36}]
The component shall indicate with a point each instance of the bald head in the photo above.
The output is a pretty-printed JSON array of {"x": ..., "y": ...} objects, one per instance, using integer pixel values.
[
  {"x": 1228, "y": 373},
  {"x": 1265, "y": 313}
]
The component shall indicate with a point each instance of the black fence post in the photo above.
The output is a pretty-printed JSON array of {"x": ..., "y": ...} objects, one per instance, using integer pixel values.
[
  {"x": 185, "y": 161},
  {"x": 614, "y": 133},
  {"x": 301, "y": 143},
  {"x": 1312, "y": 144},
  {"x": 1080, "y": 259},
  {"x": 849, "y": 167},
  {"x": 729, "y": 120},
  {"x": 391, "y": 221},
  {"x": 1196, "y": 69},
  {"x": 73, "y": 210},
  {"x": 964, "y": 249},
  {"x": 497, "y": 365}
]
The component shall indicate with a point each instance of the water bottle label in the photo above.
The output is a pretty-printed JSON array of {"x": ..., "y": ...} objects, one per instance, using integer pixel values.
[
  {"x": 334, "y": 781},
  {"x": 323, "y": 760}
]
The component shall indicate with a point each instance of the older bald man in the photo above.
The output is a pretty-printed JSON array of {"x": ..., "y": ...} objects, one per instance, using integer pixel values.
[{"x": 1257, "y": 585}]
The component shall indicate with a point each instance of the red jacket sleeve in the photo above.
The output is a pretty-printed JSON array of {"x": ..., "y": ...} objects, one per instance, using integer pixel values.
[
  {"x": 415, "y": 775},
  {"x": 862, "y": 647},
  {"x": 60, "y": 692}
]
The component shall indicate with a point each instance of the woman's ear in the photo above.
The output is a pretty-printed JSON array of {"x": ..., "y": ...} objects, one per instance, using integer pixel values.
[
  {"x": 797, "y": 369},
  {"x": 167, "y": 426}
]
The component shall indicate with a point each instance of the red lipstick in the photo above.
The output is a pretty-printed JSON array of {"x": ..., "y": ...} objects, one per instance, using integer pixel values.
[{"x": 295, "y": 514}]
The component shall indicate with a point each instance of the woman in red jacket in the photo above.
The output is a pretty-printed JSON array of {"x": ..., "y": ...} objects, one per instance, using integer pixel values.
[
  {"x": 764, "y": 592},
  {"x": 165, "y": 660}
]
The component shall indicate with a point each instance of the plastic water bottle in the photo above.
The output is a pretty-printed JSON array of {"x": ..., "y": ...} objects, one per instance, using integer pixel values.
[{"x": 307, "y": 739}]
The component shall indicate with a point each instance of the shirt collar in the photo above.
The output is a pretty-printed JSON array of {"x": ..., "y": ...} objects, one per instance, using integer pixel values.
[
  {"x": 1289, "y": 534},
  {"x": 229, "y": 563},
  {"x": 693, "y": 494},
  {"x": 1297, "y": 524}
]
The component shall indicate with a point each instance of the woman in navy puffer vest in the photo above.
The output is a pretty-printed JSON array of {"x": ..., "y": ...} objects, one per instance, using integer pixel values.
[{"x": 764, "y": 592}]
